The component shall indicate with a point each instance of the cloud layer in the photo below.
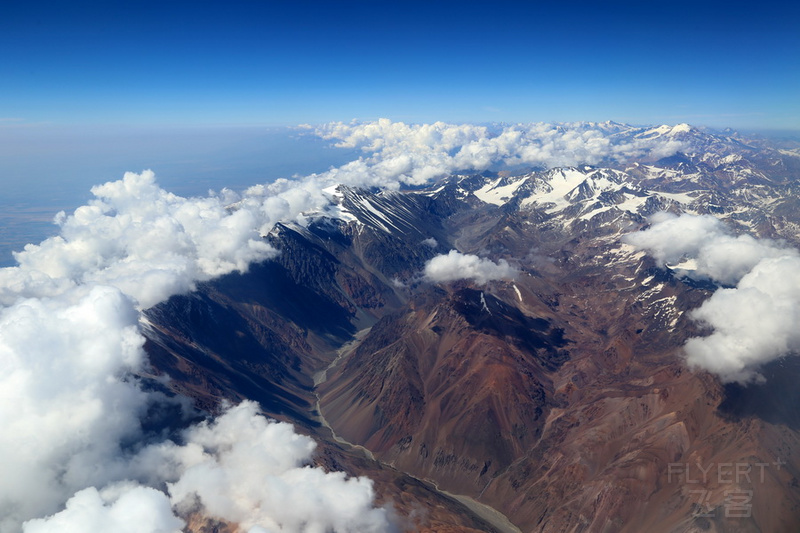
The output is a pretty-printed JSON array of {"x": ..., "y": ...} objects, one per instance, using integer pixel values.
[
  {"x": 753, "y": 322},
  {"x": 455, "y": 265},
  {"x": 252, "y": 471},
  {"x": 123, "y": 508},
  {"x": 66, "y": 406},
  {"x": 139, "y": 238},
  {"x": 415, "y": 154}
]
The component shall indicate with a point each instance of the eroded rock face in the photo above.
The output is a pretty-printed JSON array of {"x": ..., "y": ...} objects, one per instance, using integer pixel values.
[
  {"x": 560, "y": 398},
  {"x": 463, "y": 360}
]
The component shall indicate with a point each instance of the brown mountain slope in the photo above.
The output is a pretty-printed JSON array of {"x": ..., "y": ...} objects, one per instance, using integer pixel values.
[
  {"x": 598, "y": 440},
  {"x": 442, "y": 393},
  {"x": 560, "y": 398}
]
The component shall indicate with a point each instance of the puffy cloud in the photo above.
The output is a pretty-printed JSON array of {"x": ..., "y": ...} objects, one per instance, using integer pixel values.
[
  {"x": 141, "y": 239},
  {"x": 245, "y": 469},
  {"x": 752, "y": 323},
  {"x": 118, "y": 508},
  {"x": 415, "y": 154},
  {"x": 67, "y": 401},
  {"x": 455, "y": 265},
  {"x": 239, "y": 467},
  {"x": 715, "y": 254},
  {"x": 18, "y": 283}
]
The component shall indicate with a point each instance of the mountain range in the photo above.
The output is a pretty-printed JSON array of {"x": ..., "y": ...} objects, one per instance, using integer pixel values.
[{"x": 538, "y": 380}]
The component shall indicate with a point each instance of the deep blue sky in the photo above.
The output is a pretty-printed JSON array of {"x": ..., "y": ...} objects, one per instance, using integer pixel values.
[{"x": 180, "y": 62}]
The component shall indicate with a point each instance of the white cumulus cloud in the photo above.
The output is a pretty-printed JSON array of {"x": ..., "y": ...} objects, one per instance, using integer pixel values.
[
  {"x": 753, "y": 322},
  {"x": 715, "y": 253},
  {"x": 455, "y": 265},
  {"x": 248, "y": 470},
  {"x": 239, "y": 467},
  {"x": 141, "y": 239},
  {"x": 417, "y": 153},
  {"x": 66, "y": 403},
  {"x": 121, "y": 509}
]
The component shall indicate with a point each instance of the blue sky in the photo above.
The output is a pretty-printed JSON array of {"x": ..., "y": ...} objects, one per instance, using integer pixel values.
[{"x": 199, "y": 63}]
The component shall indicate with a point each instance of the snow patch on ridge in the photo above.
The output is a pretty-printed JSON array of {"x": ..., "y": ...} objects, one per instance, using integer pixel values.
[{"x": 494, "y": 192}]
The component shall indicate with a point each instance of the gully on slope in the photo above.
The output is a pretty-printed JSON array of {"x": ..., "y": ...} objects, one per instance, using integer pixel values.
[{"x": 487, "y": 513}]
